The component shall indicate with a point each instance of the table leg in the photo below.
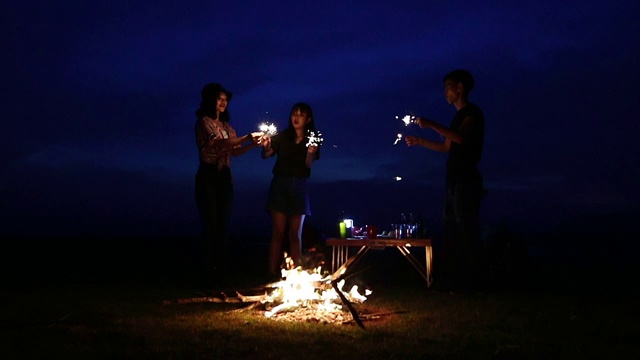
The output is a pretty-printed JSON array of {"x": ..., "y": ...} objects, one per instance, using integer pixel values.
[
  {"x": 424, "y": 272},
  {"x": 334, "y": 258},
  {"x": 339, "y": 255},
  {"x": 428, "y": 254},
  {"x": 343, "y": 260}
]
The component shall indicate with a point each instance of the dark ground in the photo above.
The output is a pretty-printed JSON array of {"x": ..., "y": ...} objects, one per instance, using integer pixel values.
[{"x": 587, "y": 274}]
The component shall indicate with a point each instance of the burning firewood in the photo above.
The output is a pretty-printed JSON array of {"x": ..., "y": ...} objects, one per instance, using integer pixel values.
[
  {"x": 203, "y": 299},
  {"x": 300, "y": 294}
]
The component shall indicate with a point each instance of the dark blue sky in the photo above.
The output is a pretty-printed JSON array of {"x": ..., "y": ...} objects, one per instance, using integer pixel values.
[{"x": 98, "y": 105}]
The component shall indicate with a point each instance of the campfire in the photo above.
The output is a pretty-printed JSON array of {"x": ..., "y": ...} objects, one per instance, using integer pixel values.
[
  {"x": 300, "y": 295},
  {"x": 308, "y": 294}
]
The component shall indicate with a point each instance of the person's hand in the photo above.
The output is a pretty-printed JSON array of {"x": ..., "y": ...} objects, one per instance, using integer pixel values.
[
  {"x": 312, "y": 149},
  {"x": 265, "y": 141},
  {"x": 412, "y": 140},
  {"x": 423, "y": 123},
  {"x": 256, "y": 137}
]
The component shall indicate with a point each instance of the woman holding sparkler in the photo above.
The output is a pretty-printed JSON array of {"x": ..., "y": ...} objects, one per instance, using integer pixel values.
[
  {"x": 464, "y": 189},
  {"x": 216, "y": 141},
  {"x": 288, "y": 200}
]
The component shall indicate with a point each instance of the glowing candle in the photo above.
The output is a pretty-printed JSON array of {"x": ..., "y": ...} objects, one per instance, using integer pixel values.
[
  {"x": 343, "y": 229},
  {"x": 349, "y": 225}
]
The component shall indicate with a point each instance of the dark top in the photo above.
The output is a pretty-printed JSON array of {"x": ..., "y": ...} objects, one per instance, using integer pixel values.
[
  {"x": 291, "y": 156},
  {"x": 462, "y": 166}
]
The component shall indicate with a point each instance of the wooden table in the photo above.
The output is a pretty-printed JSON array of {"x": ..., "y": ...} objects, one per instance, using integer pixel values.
[{"x": 340, "y": 251}]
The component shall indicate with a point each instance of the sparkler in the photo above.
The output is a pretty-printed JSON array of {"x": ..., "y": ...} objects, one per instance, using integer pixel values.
[
  {"x": 268, "y": 129},
  {"x": 407, "y": 119},
  {"x": 315, "y": 138}
]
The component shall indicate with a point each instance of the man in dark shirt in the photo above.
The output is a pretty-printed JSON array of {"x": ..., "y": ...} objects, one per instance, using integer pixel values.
[{"x": 464, "y": 187}]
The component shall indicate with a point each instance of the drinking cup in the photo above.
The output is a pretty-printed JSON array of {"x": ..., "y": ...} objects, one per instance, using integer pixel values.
[
  {"x": 372, "y": 231},
  {"x": 396, "y": 232}
]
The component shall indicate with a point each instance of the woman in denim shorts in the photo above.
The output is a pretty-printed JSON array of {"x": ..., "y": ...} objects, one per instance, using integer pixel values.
[{"x": 288, "y": 200}]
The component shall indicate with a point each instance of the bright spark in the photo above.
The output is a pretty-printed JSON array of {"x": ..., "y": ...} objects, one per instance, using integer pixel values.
[
  {"x": 407, "y": 119},
  {"x": 268, "y": 129},
  {"x": 398, "y": 138},
  {"x": 315, "y": 138}
]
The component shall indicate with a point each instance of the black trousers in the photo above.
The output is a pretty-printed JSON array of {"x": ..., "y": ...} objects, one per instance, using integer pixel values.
[
  {"x": 462, "y": 252},
  {"x": 214, "y": 198}
]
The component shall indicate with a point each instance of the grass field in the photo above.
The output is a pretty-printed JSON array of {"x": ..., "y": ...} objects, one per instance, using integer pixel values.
[{"x": 112, "y": 304}]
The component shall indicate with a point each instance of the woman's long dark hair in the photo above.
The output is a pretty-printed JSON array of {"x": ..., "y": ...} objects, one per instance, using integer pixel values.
[
  {"x": 208, "y": 104},
  {"x": 304, "y": 108}
]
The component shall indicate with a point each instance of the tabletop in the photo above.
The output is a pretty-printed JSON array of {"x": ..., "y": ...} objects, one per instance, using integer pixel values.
[{"x": 377, "y": 242}]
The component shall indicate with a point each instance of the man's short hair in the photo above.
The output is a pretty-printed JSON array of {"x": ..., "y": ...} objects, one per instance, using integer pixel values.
[{"x": 461, "y": 76}]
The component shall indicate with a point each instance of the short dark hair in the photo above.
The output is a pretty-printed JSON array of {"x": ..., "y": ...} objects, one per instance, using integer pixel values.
[{"x": 461, "y": 76}]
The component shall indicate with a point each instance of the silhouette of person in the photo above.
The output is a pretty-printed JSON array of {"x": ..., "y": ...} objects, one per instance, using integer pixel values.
[
  {"x": 217, "y": 142},
  {"x": 288, "y": 199},
  {"x": 464, "y": 186}
]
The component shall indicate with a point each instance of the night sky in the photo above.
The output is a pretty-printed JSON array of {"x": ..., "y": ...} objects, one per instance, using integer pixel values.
[{"x": 98, "y": 102}]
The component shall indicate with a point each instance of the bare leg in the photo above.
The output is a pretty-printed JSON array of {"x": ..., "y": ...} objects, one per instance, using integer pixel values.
[
  {"x": 295, "y": 238},
  {"x": 278, "y": 224}
]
